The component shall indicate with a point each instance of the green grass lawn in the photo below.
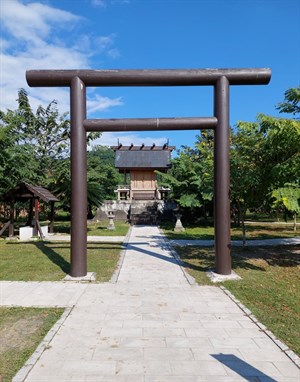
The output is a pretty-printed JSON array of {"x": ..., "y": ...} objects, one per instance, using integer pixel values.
[
  {"x": 270, "y": 285},
  {"x": 95, "y": 228},
  {"x": 100, "y": 229},
  {"x": 253, "y": 231},
  {"x": 44, "y": 261},
  {"x": 21, "y": 330}
]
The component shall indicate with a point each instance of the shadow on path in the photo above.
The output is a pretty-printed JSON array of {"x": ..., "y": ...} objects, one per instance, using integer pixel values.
[
  {"x": 241, "y": 367},
  {"x": 136, "y": 247}
]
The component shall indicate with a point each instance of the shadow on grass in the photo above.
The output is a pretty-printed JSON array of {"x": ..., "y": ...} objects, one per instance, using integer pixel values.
[
  {"x": 205, "y": 231},
  {"x": 49, "y": 252},
  {"x": 279, "y": 256},
  {"x": 54, "y": 256},
  {"x": 93, "y": 228},
  {"x": 62, "y": 227},
  {"x": 202, "y": 259}
]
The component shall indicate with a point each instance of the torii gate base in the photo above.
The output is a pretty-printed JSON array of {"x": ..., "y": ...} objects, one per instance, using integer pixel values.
[{"x": 77, "y": 80}]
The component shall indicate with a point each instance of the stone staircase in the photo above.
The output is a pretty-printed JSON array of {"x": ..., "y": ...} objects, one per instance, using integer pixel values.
[{"x": 143, "y": 212}]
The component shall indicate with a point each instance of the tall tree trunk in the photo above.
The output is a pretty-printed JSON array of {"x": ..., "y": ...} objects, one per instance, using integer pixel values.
[
  {"x": 295, "y": 222},
  {"x": 243, "y": 213},
  {"x": 238, "y": 214}
]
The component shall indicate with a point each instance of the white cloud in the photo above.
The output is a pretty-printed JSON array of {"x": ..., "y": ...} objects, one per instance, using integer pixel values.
[
  {"x": 105, "y": 44},
  {"x": 99, "y": 3},
  {"x": 32, "y": 22},
  {"x": 111, "y": 139},
  {"x": 105, "y": 3},
  {"x": 36, "y": 36},
  {"x": 113, "y": 53},
  {"x": 105, "y": 41},
  {"x": 100, "y": 103}
]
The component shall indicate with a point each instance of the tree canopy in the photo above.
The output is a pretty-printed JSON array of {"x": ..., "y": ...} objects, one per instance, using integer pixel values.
[
  {"x": 35, "y": 147},
  {"x": 264, "y": 156}
]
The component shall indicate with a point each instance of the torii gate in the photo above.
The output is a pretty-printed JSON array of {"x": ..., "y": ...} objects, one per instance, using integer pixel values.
[{"x": 78, "y": 80}]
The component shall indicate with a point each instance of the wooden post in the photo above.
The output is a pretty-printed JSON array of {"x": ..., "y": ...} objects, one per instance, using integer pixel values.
[
  {"x": 51, "y": 224},
  {"x": 11, "y": 218},
  {"x": 36, "y": 216},
  {"x": 30, "y": 213}
]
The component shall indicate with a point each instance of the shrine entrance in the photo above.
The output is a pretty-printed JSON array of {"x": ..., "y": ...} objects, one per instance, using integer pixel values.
[{"x": 78, "y": 80}]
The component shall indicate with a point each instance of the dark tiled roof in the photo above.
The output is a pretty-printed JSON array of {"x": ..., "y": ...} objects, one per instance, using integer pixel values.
[
  {"x": 143, "y": 157},
  {"x": 143, "y": 147},
  {"x": 25, "y": 191}
]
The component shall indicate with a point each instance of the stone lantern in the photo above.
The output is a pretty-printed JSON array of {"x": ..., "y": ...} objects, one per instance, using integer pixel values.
[
  {"x": 111, "y": 224},
  {"x": 178, "y": 226}
]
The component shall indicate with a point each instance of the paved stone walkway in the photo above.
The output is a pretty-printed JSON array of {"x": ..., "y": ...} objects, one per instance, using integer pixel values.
[{"x": 149, "y": 326}]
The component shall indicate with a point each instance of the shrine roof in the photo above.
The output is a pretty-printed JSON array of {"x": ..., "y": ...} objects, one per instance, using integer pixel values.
[
  {"x": 142, "y": 147},
  {"x": 26, "y": 191},
  {"x": 143, "y": 157}
]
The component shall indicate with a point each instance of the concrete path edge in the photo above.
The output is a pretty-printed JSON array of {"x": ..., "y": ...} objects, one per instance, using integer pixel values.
[
  {"x": 283, "y": 347},
  {"x": 29, "y": 364},
  {"x": 116, "y": 273}
]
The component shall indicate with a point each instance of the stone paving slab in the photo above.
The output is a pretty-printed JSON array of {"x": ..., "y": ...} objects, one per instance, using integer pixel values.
[
  {"x": 151, "y": 325},
  {"x": 40, "y": 294}
]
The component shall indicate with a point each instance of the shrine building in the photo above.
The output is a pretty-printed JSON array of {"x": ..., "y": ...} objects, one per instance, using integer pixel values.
[{"x": 138, "y": 164}]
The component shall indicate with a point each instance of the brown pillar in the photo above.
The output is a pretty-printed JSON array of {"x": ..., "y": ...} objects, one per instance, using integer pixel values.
[
  {"x": 30, "y": 212},
  {"x": 51, "y": 224},
  {"x": 222, "y": 178},
  {"x": 36, "y": 217},
  {"x": 11, "y": 219},
  {"x": 79, "y": 178}
]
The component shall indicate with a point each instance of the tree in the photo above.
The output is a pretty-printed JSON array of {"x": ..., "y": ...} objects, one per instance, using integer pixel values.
[
  {"x": 40, "y": 138},
  {"x": 246, "y": 167},
  {"x": 101, "y": 173},
  {"x": 280, "y": 150},
  {"x": 35, "y": 147},
  {"x": 37, "y": 139},
  {"x": 102, "y": 179},
  {"x": 17, "y": 162},
  {"x": 191, "y": 175},
  {"x": 265, "y": 155},
  {"x": 289, "y": 197},
  {"x": 291, "y": 103}
]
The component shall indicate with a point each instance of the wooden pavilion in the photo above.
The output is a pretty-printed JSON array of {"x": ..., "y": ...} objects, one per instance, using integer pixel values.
[{"x": 25, "y": 192}]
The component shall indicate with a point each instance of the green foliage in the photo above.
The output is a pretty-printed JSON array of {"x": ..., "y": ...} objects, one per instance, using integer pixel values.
[
  {"x": 102, "y": 178},
  {"x": 191, "y": 175},
  {"x": 291, "y": 103},
  {"x": 35, "y": 147},
  {"x": 101, "y": 170},
  {"x": 280, "y": 150},
  {"x": 264, "y": 156},
  {"x": 246, "y": 166},
  {"x": 289, "y": 196},
  {"x": 34, "y": 142}
]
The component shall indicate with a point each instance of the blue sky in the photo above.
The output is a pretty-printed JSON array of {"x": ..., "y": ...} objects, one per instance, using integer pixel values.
[{"x": 151, "y": 34}]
